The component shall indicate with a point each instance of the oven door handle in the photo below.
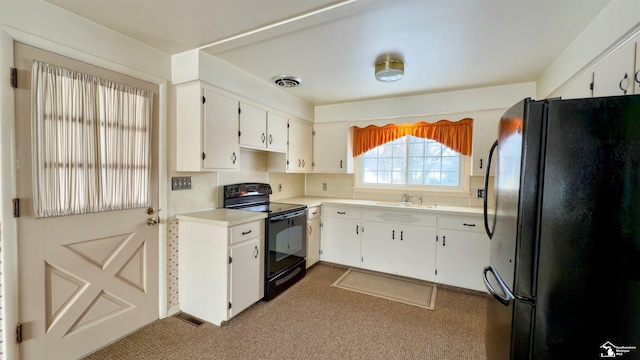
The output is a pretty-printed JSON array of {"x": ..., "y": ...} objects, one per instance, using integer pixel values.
[{"x": 288, "y": 215}]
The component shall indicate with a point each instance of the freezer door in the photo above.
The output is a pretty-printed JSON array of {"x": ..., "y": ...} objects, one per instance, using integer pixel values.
[{"x": 508, "y": 327}]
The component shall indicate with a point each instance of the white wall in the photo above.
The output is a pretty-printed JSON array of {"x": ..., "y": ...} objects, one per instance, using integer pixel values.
[
  {"x": 45, "y": 26},
  {"x": 617, "y": 21},
  {"x": 495, "y": 97}
]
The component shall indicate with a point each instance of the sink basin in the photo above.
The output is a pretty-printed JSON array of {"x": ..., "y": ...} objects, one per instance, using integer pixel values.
[{"x": 405, "y": 204}]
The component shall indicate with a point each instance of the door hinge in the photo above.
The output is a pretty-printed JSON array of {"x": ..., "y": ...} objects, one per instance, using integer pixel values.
[
  {"x": 16, "y": 208},
  {"x": 239, "y": 133},
  {"x": 204, "y": 99},
  {"x": 19, "y": 333},
  {"x": 313, "y": 164},
  {"x": 436, "y": 238},
  {"x": 287, "y": 125},
  {"x": 591, "y": 86},
  {"x": 287, "y": 162},
  {"x": 313, "y": 133},
  {"x": 203, "y": 156},
  {"x": 239, "y": 111},
  {"x": 436, "y": 271},
  {"x": 230, "y": 260},
  {"x": 229, "y": 305},
  {"x": 14, "y": 78},
  {"x": 320, "y": 252}
]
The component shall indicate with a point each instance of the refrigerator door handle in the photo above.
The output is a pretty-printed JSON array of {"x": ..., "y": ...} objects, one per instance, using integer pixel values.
[
  {"x": 486, "y": 186},
  {"x": 508, "y": 294}
]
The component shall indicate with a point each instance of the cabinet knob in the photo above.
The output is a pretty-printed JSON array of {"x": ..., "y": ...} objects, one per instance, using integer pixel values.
[{"x": 264, "y": 138}]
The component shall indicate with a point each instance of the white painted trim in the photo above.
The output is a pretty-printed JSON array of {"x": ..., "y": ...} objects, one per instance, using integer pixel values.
[{"x": 10, "y": 301}]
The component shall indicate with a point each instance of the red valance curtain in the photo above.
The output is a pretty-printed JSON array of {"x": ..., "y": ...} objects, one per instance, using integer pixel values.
[{"x": 455, "y": 135}]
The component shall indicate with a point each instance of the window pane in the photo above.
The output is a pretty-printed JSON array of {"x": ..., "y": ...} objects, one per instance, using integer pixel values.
[
  {"x": 450, "y": 163},
  {"x": 416, "y": 164},
  {"x": 411, "y": 161}
]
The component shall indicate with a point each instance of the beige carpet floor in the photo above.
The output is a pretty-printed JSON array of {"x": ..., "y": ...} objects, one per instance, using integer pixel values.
[
  {"x": 404, "y": 290},
  {"x": 314, "y": 320}
]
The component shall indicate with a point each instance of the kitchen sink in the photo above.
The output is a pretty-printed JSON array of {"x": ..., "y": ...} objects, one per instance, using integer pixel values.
[{"x": 407, "y": 204}]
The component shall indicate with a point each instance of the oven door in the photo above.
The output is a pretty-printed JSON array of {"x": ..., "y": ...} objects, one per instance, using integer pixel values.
[{"x": 286, "y": 241}]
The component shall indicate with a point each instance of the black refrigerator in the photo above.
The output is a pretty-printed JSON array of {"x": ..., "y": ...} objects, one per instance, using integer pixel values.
[{"x": 565, "y": 231}]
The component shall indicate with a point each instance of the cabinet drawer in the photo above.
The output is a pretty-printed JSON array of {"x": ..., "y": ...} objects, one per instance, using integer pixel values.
[
  {"x": 240, "y": 233},
  {"x": 475, "y": 224},
  {"x": 313, "y": 213},
  {"x": 342, "y": 212}
]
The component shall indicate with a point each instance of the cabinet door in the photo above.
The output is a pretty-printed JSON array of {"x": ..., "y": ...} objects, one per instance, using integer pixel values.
[
  {"x": 253, "y": 126},
  {"x": 300, "y": 150},
  {"x": 340, "y": 242},
  {"x": 380, "y": 246},
  {"x": 416, "y": 256},
  {"x": 485, "y": 133},
  {"x": 277, "y": 132},
  {"x": 461, "y": 256},
  {"x": 614, "y": 75},
  {"x": 221, "y": 149},
  {"x": 313, "y": 241},
  {"x": 244, "y": 273},
  {"x": 580, "y": 88},
  {"x": 331, "y": 150}
]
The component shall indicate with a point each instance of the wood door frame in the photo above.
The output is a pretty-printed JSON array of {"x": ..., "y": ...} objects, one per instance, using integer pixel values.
[{"x": 8, "y": 223}]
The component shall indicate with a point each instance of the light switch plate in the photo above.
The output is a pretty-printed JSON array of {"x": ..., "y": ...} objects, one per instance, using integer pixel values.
[{"x": 181, "y": 183}]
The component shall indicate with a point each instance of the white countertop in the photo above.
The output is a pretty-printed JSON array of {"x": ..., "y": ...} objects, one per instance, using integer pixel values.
[
  {"x": 222, "y": 217},
  {"x": 311, "y": 201}
]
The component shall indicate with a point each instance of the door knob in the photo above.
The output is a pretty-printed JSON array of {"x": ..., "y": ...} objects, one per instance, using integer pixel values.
[
  {"x": 151, "y": 210},
  {"x": 152, "y": 221}
]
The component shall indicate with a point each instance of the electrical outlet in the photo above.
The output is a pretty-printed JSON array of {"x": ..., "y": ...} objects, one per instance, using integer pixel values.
[
  {"x": 479, "y": 193},
  {"x": 324, "y": 186},
  {"x": 181, "y": 183}
]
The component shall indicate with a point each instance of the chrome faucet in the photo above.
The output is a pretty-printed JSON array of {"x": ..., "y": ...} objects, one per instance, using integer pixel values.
[{"x": 405, "y": 198}]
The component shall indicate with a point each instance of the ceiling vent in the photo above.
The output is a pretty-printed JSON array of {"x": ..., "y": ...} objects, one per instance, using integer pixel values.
[{"x": 287, "y": 81}]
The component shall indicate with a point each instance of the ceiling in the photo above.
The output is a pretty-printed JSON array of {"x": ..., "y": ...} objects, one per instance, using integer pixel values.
[{"x": 333, "y": 46}]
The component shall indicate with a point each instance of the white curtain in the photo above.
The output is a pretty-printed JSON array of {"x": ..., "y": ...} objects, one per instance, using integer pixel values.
[{"x": 90, "y": 143}]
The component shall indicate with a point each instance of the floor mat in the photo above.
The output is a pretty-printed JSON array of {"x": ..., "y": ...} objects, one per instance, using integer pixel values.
[{"x": 412, "y": 292}]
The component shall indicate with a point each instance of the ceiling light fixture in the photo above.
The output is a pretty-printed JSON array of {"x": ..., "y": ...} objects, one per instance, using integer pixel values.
[{"x": 389, "y": 70}]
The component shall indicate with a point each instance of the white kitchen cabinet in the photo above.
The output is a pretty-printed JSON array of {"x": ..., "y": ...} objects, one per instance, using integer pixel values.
[
  {"x": 300, "y": 157},
  {"x": 614, "y": 75},
  {"x": 313, "y": 235},
  {"x": 332, "y": 148},
  {"x": 262, "y": 130},
  {"x": 206, "y": 128},
  {"x": 581, "y": 87},
  {"x": 399, "y": 242},
  {"x": 340, "y": 235},
  {"x": 277, "y": 130},
  {"x": 462, "y": 252},
  {"x": 485, "y": 133},
  {"x": 221, "y": 268}
]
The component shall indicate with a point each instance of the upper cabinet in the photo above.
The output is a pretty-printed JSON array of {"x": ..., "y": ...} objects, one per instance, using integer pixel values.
[
  {"x": 615, "y": 74},
  {"x": 332, "y": 148},
  {"x": 262, "y": 130},
  {"x": 206, "y": 128},
  {"x": 299, "y": 155},
  {"x": 485, "y": 133}
]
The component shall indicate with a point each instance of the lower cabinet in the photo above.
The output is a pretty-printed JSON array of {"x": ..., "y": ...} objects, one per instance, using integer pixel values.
[
  {"x": 463, "y": 250},
  {"x": 390, "y": 245},
  {"x": 340, "y": 235},
  {"x": 445, "y": 249},
  {"x": 313, "y": 235},
  {"x": 221, "y": 268}
]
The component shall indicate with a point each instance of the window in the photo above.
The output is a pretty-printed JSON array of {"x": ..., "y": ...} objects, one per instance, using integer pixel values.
[{"x": 412, "y": 161}]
